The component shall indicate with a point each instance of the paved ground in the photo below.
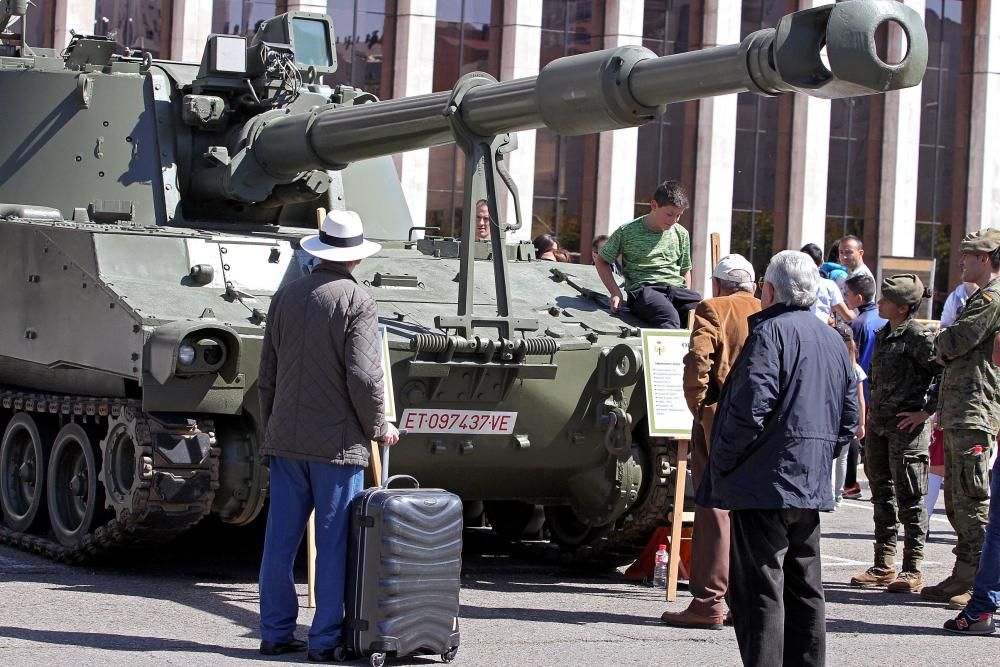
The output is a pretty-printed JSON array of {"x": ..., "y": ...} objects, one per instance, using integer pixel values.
[{"x": 196, "y": 604}]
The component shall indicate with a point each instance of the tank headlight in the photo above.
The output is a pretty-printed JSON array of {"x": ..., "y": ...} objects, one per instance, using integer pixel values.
[
  {"x": 185, "y": 354},
  {"x": 211, "y": 351}
]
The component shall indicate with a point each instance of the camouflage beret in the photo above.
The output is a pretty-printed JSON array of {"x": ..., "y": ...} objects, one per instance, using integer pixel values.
[
  {"x": 904, "y": 289},
  {"x": 982, "y": 242}
]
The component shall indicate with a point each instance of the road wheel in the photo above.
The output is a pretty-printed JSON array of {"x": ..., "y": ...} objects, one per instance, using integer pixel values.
[
  {"x": 567, "y": 530},
  {"x": 74, "y": 495},
  {"x": 24, "y": 453}
]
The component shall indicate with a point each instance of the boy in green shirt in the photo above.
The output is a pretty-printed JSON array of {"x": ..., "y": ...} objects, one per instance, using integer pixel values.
[{"x": 656, "y": 260}]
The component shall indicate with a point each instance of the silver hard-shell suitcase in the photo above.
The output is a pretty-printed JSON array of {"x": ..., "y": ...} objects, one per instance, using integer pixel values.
[{"x": 404, "y": 569}]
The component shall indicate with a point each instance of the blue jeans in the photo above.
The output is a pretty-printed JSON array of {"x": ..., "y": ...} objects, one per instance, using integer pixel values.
[
  {"x": 296, "y": 488},
  {"x": 986, "y": 590}
]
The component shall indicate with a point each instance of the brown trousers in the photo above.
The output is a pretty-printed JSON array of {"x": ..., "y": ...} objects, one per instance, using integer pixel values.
[{"x": 709, "y": 580}]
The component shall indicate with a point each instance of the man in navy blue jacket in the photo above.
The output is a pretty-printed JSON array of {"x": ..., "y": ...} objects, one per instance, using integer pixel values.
[{"x": 789, "y": 405}]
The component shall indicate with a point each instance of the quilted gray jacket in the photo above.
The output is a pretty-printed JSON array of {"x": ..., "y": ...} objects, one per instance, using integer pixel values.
[{"x": 320, "y": 383}]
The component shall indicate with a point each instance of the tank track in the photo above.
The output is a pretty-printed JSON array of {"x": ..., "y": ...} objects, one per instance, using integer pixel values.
[
  {"x": 621, "y": 543},
  {"x": 151, "y": 519}
]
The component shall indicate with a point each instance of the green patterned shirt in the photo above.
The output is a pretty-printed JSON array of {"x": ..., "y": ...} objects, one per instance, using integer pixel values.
[{"x": 654, "y": 258}]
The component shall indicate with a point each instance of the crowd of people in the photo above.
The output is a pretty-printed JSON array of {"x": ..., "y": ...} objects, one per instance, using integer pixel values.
[
  {"x": 782, "y": 388},
  {"x": 785, "y": 389}
]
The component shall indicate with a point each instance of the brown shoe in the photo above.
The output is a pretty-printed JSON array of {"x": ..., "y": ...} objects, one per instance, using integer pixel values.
[
  {"x": 874, "y": 577},
  {"x": 960, "y": 601},
  {"x": 946, "y": 590},
  {"x": 906, "y": 582},
  {"x": 689, "y": 619}
]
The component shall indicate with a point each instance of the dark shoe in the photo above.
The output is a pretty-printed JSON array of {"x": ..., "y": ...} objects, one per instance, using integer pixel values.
[
  {"x": 853, "y": 491},
  {"x": 291, "y": 646},
  {"x": 689, "y": 619},
  {"x": 906, "y": 582},
  {"x": 729, "y": 618},
  {"x": 335, "y": 654},
  {"x": 963, "y": 624},
  {"x": 946, "y": 590},
  {"x": 874, "y": 577}
]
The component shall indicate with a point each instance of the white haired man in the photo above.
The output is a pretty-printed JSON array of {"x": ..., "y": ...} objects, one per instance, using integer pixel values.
[
  {"x": 789, "y": 405},
  {"x": 719, "y": 329}
]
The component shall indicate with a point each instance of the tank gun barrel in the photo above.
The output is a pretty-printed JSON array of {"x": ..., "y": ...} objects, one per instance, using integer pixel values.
[{"x": 827, "y": 51}]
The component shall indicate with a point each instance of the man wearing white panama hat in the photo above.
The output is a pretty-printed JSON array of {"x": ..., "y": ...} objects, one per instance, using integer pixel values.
[{"x": 321, "y": 396}]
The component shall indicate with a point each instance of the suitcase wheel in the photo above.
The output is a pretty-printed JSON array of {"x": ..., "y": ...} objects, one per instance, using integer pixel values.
[
  {"x": 450, "y": 654},
  {"x": 339, "y": 654},
  {"x": 376, "y": 659}
]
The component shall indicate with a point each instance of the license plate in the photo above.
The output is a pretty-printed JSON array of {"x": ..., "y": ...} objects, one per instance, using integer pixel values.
[{"x": 482, "y": 422}]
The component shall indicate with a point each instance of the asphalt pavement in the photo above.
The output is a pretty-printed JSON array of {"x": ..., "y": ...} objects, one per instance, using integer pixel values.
[{"x": 195, "y": 603}]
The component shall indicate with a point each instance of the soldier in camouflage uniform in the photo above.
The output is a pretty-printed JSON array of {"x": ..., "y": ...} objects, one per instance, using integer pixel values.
[
  {"x": 969, "y": 412},
  {"x": 903, "y": 368}
]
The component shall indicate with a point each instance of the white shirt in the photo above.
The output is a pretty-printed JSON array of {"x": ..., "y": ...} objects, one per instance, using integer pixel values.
[
  {"x": 954, "y": 305},
  {"x": 828, "y": 296}
]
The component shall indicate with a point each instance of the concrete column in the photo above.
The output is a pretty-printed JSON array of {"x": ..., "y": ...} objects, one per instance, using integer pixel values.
[
  {"x": 713, "y": 210},
  {"x": 900, "y": 158},
  {"x": 810, "y": 165},
  {"x": 72, "y": 15},
  {"x": 983, "y": 206},
  {"x": 192, "y": 23},
  {"x": 519, "y": 57},
  {"x": 413, "y": 74},
  {"x": 618, "y": 149}
]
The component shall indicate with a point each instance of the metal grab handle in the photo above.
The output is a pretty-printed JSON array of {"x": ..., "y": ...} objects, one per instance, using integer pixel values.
[
  {"x": 384, "y": 451},
  {"x": 390, "y": 480}
]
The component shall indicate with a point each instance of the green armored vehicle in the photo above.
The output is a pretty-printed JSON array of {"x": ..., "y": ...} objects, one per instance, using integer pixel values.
[{"x": 149, "y": 210}]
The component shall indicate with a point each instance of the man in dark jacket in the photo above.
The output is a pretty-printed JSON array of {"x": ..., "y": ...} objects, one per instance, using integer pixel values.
[
  {"x": 321, "y": 398},
  {"x": 789, "y": 405}
]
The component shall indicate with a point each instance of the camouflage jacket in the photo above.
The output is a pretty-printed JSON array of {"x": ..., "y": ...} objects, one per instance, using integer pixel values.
[
  {"x": 970, "y": 383},
  {"x": 902, "y": 371}
]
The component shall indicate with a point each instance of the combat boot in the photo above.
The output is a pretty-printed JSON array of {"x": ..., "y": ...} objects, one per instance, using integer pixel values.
[
  {"x": 946, "y": 590},
  {"x": 874, "y": 577},
  {"x": 960, "y": 601},
  {"x": 908, "y": 581},
  {"x": 882, "y": 573}
]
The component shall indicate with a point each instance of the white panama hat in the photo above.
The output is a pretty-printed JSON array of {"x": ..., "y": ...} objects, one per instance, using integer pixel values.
[{"x": 341, "y": 238}]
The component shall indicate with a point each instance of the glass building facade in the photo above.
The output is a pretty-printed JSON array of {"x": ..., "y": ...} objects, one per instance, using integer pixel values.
[
  {"x": 40, "y": 23},
  {"x": 466, "y": 39},
  {"x": 366, "y": 37},
  {"x": 566, "y": 167},
  {"x": 763, "y": 156},
  {"x": 138, "y": 24},
  {"x": 238, "y": 17},
  {"x": 944, "y": 139},
  {"x": 668, "y": 145}
]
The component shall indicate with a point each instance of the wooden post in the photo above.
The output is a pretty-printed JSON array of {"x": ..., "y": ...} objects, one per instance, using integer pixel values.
[
  {"x": 677, "y": 519},
  {"x": 716, "y": 244},
  {"x": 311, "y": 558}
]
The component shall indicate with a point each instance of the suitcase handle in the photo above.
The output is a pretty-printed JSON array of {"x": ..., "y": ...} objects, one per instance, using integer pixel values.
[
  {"x": 390, "y": 480},
  {"x": 384, "y": 479}
]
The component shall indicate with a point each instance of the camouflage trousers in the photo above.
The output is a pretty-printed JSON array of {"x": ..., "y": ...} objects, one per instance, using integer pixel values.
[
  {"x": 896, "y": 465},
  {"x": 967, "y": 494}
]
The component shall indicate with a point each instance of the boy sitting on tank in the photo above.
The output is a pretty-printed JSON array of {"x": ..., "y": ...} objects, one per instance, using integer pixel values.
[{"x": 655, "y": 256}]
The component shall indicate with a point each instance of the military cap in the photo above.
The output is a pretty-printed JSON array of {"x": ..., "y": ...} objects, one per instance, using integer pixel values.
[
  {"x": 982, "y": 242},
  {"x": 904, "y": 289}
]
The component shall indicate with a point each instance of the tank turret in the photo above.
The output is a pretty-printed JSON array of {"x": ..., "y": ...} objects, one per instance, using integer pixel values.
[{"x": 150, "y": 209}]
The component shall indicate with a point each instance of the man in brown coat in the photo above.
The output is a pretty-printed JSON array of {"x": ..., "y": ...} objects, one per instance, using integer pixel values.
[
  {"x": 717, "y": 335},
  {"x": 321, "y": 399}
]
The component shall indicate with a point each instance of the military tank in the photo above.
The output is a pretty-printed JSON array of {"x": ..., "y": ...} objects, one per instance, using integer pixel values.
[{"x": 152, "y": 208}]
